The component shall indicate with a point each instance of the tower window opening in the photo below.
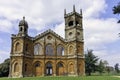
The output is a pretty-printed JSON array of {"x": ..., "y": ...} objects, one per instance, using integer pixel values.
[
  {"x": 70, "y": 33},
  {"x": 25, "y": 29},
  {"x": 26, "y": 48},
  {"x": 21, "y": 29},
  {"x": 70, "y": 23},
  {"x": 78, "y": 33},
  {"x": 77, "y": 23}
]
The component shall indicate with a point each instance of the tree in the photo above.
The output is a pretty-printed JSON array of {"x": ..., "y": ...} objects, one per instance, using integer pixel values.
[
  {"x": 101, "y": 67},
  {"x": 117, "y": 68},
  {"x": 109, "y": 69},
  {"x": 105, "y": 63},
  {"x": 116, "y": 10},
  {"x": 90, "y": 62},
  {"x": 4, "y": 68}
]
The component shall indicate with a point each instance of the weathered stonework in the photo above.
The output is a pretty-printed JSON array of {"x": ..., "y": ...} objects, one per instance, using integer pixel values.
[{"x": 48, "y": 54}]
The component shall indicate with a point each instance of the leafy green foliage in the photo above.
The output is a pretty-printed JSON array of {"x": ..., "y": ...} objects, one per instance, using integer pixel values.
[
  {"x": 90, "y": 62},
  {"x": 101, "y": 67},
  {"x": 116, "y": 10},
  {"x": 4, "y": 68},
  {"x": 117, "y": 68}
]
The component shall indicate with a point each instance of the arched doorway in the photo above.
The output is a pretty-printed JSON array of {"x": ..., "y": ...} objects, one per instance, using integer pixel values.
[
  {"x": 71, "y": 68},
  {"x": 38, "y": 69},
  {"x": 16, "y": 68},
  {"x": 60, "y": 69},
  {"x": 49, "y": 70}
]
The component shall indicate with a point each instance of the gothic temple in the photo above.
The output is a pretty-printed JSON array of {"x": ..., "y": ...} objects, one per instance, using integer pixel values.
[{"x": 48, "y": 54}]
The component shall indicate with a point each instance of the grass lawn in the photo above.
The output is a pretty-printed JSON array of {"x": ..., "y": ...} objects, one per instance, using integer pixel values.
[{"x": 66, "y": 78}]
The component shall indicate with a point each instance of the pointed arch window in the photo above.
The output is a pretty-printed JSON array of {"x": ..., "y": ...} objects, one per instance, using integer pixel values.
[
  {"x": 70, "y": 23},
  {"x": 37, "y": 49},
  {"x": 37, "y": 64},
  {"x": 49, "y": 69},
  {"x": 60, "y": 65},
  {"x": 16, "y": 67},
  {"x": 17, "y": 47},
  {"x": 21, "y": 29},
  {"x": 71, "y": 50},
  {"x": 49, "y": 50},
  {"x": 60, "y": 50}
]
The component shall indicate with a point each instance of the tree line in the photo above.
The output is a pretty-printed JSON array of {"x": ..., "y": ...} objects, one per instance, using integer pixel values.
[
  {"x": 4, "y": 68},
  {"x": 94, "y": 64}
]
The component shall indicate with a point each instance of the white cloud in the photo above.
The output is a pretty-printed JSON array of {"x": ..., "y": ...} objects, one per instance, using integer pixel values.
[
  {"x": 5, "y": 26},
  {"x": 59, "y": 29},
  {"x": 100, "y": 31},
  {"x": 94, "y": 8},
  {"x": 112, "y": 58},
  {"x": 4, "y": 55},
  {"x": 40, "y": 13}
]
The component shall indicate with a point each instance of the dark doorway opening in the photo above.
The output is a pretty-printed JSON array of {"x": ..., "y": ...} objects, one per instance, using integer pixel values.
[{"x": 49, "y": 70}]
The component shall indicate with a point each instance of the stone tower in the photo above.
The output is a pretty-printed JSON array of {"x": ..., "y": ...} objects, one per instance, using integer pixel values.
[
  {"x": 19, "y": 50},
  {"x": 73, "y": 26},
  {"x": 74, "y": 38}
]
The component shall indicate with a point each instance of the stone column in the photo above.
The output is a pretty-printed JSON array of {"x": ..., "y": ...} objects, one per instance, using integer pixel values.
[
  {"x": 21, "y": 68},
  {"x": 76, "y": 68},
  {"x": 54, "y": 69}
]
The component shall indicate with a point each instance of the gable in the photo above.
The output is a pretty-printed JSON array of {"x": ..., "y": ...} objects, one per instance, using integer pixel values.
[{"x": 49, "y": 35}]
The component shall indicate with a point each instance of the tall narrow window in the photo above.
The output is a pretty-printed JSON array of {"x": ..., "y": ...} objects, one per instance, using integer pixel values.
[
  {"x": 37, "y": 49},
  {"x": 16, "y": 67},
  {"x": 20, "y": 28},
  {"x": 60, "y": 50},
  {"x": 26, "y": 66},
  {"x": 26, "y": 48},
  {"x": 49, "y": 50},
  {"x": 17, "y": 47},
  {"x": 71, "y": 50}
]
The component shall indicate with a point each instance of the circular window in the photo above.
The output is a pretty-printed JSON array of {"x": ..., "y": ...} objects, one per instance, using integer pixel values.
[
  {"x": 78, "y": 33},
  {"x": 49, "y": 37},
  {"x": 70, "y": 33}
]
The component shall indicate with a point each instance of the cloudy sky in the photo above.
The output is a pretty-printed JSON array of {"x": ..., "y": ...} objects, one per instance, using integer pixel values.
[{"x": 100, "y": 27}]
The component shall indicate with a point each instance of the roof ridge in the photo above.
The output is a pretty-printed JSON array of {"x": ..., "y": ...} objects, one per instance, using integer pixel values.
[{"x": 47, "y": 31}]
